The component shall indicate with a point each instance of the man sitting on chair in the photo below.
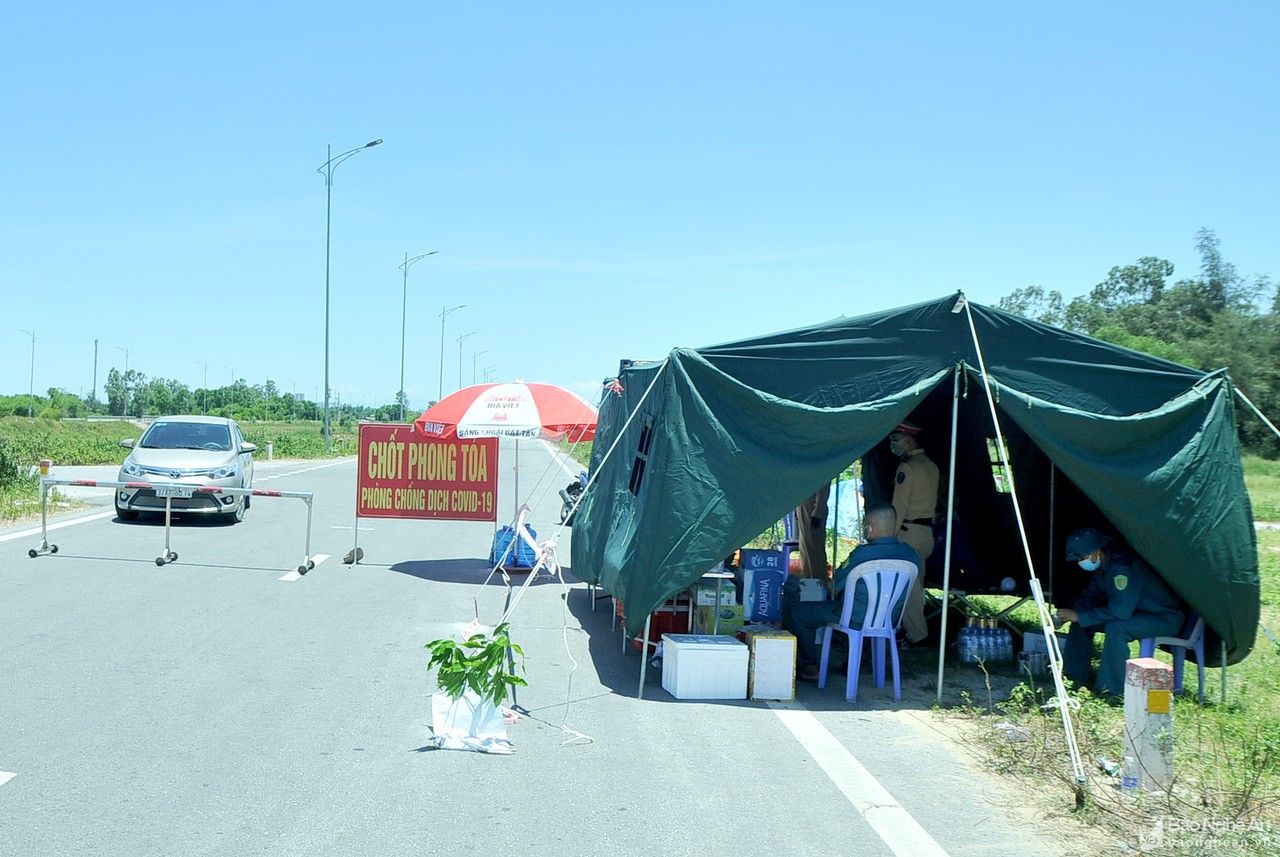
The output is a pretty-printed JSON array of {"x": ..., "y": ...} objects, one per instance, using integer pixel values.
[
  {"x": 1126, "y": 600},
  {"x": 879, "y": 526}
]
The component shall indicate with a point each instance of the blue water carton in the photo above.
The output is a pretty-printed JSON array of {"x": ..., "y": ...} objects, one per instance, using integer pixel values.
[
  {"x": 763, "y": 573},
  {"x": 521, "y": 556}
]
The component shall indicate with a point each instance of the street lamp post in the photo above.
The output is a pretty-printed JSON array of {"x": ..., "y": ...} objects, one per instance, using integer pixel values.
[
  {"x": 204, "y": 390},
  {"x": 444, "y": 313},
  {"x": 404, "y": 303},
  {"x": 462, "y": 338},
  {"x": 31, "y": 390},
  {"x": 326, "y": 169},
  {"x": 474, "y": 355},
  {"x": 125, "y": 349}
]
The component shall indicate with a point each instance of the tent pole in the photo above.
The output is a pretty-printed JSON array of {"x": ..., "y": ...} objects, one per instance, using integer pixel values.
[
  {"x": 1254, "y": 408},
  {"x": 644, "y": 655},
  {"x": 1053, "y": 484},
  {"x": 835, "y": 530},
  {"x": 1046, "y": 621},
  {"x": 1224, "y": 672},
  {"x": 951, "y": 509}
]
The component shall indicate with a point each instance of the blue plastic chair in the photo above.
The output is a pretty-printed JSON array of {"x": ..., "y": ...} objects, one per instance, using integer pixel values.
[
  {"x": 1192, "y": 638},
  {"x": 887, "y": 582}
]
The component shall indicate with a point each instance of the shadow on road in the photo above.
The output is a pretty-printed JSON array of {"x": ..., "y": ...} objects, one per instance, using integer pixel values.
[
  {"x": 470, "y": 571},
  {"x": 619, "y": 670}
]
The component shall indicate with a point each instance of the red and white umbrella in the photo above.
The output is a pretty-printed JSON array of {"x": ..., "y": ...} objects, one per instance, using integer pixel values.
[{"x": 510, "y": 410}]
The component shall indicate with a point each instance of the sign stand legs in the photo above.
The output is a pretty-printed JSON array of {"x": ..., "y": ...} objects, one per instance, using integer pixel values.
[
  {"x": 45, "y": 547},
  {"x": 168, "y": 555}
]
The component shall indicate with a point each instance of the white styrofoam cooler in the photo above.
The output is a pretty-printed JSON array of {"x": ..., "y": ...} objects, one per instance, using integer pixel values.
[{"x": 703, "y": 666}]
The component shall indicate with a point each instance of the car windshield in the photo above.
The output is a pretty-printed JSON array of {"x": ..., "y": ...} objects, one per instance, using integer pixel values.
[{"x": 210, "y": 436}]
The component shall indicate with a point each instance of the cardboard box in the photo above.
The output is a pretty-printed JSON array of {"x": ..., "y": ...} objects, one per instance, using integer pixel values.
[
  {"x": 731, "y": 619},
  {"x": 704, "y": 594},
  {"x": 701, "y": 666},
  {"x": 771, "y": 666},
  {"x": 762, "y": 593}
]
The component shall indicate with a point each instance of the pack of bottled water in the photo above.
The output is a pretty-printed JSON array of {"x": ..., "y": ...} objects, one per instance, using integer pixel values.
[{"x": 981, "y": 640}]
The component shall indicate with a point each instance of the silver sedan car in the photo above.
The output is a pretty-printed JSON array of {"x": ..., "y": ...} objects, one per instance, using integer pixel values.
[{"x": 188, "y": 450}]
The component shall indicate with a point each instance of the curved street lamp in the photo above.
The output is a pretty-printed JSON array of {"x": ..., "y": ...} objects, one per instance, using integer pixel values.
[
  {"x": 474, "y": 355},
  {"x": 326, "y": 169},
  {"x": 461, "y": 338},
  {"x": 404, "y": 303},
  {"x": 444, "y": 313}
]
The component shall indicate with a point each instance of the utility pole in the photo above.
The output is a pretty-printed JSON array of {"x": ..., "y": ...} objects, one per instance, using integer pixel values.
[
  {"x": 31, "y": 391},
  {"x": 93, "y": 391}
]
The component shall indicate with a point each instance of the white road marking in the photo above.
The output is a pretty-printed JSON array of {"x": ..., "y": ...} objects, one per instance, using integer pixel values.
[
  {"x": 560, "y": 459},
  {"x": 35, "y": 531},
  {"x": 5, "y": 776},
  {"x": 893, "y": 824},
  {"x": 303, "y": 470},
  {"x": 293, "y": 575}
]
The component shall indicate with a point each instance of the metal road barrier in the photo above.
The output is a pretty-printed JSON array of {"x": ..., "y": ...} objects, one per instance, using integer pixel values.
[{"x": 167, "y": 490}]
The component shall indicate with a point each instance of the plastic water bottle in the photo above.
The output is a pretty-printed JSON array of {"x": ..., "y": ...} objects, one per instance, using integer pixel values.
[
  {"x": 962, "y": 642},
  {"x": 1129, "y": 777}
]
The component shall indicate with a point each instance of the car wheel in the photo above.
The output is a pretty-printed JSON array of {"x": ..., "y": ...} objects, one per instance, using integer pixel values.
[{"x": 125, "y": 514}]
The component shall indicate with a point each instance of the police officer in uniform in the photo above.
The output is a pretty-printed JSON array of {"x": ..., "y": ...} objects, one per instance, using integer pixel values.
[
  {"x": 915, "y": 500},
  {"x": 1125, "y": 600},
  {"x": 811, "y": 531}
]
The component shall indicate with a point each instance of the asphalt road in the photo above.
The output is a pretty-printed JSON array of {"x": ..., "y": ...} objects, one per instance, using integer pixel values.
[{"x": 218, "y": 706}]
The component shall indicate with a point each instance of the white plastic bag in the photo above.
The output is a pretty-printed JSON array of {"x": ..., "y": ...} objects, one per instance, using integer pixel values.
[{"x": 468, "y": 723}]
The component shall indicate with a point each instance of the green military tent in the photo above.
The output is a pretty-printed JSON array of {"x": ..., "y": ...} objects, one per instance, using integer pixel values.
[{"x": 699, "y": 453}]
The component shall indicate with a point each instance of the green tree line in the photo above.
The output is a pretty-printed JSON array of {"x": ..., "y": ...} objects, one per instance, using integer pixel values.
[
  {"x": 133, "y": 394},
  {"x": 1217, "y": 319}
]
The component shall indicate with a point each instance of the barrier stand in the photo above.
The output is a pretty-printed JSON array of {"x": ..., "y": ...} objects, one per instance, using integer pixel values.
[{"x": 168, "y": 490}]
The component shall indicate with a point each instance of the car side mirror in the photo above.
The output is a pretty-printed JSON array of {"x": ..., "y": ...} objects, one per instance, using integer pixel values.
[
  {"x": 127, "y": 444},
  {"x": 248, "y": 447}
]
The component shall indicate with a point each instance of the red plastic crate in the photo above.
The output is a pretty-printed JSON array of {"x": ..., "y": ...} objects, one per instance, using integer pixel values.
[{"x": 668, "y": 619}]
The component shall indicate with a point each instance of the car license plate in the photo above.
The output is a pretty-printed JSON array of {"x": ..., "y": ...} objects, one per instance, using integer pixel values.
[{"x": 175, "y": 491}]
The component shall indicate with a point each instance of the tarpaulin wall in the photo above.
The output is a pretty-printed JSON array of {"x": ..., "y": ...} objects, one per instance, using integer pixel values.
[{"x": 731, "y": 437}]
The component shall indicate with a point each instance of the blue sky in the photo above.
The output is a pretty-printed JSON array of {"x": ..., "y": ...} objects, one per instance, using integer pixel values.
[{"x": 601, "y": 180}]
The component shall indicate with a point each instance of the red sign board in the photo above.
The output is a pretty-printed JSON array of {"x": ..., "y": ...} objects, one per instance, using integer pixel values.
[{"x": 403, "y": 474}]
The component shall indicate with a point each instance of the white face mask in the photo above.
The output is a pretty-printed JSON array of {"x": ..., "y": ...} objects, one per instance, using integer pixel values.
[
  {"x": 1090, "y": 564},
  {"x": 895, "y": 447}
]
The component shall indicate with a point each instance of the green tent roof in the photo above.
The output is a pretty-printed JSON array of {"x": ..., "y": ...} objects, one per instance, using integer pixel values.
[{"x": 729, "y": 438}]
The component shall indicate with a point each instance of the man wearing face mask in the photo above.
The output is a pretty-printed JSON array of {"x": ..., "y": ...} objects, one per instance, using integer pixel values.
[
  {"x": 915, "y": 500},
  {"x": 1125, "y": 600}
]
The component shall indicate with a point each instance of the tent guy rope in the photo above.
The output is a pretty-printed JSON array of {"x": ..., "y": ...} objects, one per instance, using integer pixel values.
[{"x": 1046, "y": 622}]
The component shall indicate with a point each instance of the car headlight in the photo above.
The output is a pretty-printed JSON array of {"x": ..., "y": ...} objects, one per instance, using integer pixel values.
[
  {"x": 226, "y": 471},
  {"x": 131, "y": 469}
]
